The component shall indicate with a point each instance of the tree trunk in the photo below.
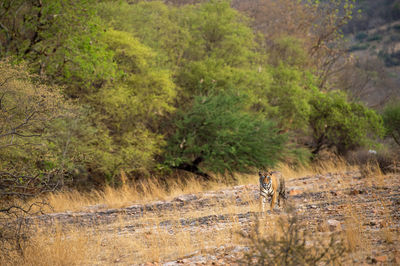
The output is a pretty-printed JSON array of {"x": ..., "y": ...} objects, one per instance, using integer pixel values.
[{"x": 193, "y": 168}]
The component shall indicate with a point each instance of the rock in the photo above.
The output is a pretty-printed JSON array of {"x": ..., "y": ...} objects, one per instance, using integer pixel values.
[
  {"x": 295, "y": 192},
  {"x": 187, "y": 197},
  {"x": 334, "y": 225},
  {"x": 354, "y": 192},
  {"x": 382, "y": 258},
  {"x": 372, "y": 223},
  {"x": 371, "y": 260},
  {"x": 396, "y": 259}
]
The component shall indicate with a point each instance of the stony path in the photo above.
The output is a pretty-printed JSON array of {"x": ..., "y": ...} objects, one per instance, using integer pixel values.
[{"x": 322, "y": 202}]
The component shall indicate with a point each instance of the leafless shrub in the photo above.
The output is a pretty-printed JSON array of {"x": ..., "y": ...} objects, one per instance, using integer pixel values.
[
  {"x": 14, "y": 227},
  {"x": 371, "y": 161},
  {"x": 293, "y": 244}
]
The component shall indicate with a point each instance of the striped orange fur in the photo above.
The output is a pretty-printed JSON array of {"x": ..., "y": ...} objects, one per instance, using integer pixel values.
[{"x": 272, "y": 185}]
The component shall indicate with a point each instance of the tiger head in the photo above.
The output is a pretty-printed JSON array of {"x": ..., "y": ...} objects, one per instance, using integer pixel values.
[{"x": 265, "y": 174}]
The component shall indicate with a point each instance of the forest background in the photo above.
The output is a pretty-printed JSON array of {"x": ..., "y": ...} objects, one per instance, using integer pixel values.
[{"x": 92, "y": 92}]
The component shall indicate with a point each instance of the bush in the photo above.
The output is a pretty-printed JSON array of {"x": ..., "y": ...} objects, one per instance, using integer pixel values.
[
  {"x": 391, "y": 119},
  {"x": 368, "y": 160},
  {"x": 375, "y": 37},
  {"x": 361, "y": 36},
  {"x": 293, "y": 246},
  {"x": 390, "y": 59},
  {"x": 359, "y": 47},
  {"x": 341, "y": 124},
  {"x": 397, "y": 27},
  {"x": 217, "y": 133}
]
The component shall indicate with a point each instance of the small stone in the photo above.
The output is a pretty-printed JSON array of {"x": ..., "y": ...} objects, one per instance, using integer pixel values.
[
  {"x": 382, "y": 258},
  {"x": 295, "y": 192},
  {"x": 371, "y": 260},
  {"x": 372, "y": 223},
  {"x": 184, "y": 198},
  {"x": 334, "y": 225},
  {"x": 354, "y": 192}
]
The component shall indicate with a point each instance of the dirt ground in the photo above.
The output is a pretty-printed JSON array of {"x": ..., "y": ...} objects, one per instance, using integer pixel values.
[{"x": 202, "y": 228}]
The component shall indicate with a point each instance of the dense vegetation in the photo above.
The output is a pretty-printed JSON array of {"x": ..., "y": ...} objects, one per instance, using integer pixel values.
[{"x": 88, "y": 88}]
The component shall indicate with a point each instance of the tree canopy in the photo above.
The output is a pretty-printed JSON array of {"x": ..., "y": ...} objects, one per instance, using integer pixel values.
[{"x": 143, "y": 86}]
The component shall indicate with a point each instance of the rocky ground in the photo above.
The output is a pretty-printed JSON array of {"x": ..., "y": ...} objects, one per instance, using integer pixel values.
[{"x": 327, "y": 204}]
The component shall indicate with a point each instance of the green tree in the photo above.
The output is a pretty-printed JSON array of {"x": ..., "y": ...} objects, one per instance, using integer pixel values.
[
  {"x": 217, "y": 136},
  {"x": 133, "y": 104},
  {"x": 44, "y": 135},
  {"x": 58, "y": 38},
  {"x": 336, "y": 122},
  {"x": 221, "y": 32},
  {"x": 154, "y": 23},
  {"x": 391, "y": 119},
  {"x": 289, "y": 96}
]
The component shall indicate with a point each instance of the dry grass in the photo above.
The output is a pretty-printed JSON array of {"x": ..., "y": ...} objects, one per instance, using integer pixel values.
[
  {"x": 339, "y": 165},
  {"x": 112, "y": 243},
  {"x": 52, "y": 246},
  {"x": 156, "y": 241},
  {"x": 118, "y": 197},
  {"x": 153, "y": 189}
]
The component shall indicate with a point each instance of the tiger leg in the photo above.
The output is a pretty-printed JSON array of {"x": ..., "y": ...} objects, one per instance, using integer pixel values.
[
  {"x": 273, "y": 200},
  {"x": 263, "y": 202},
  {"x": 283, "y": 196}
]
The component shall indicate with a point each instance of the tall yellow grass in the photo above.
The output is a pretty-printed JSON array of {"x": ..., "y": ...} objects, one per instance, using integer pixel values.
[{"x": 153, "y": 189}]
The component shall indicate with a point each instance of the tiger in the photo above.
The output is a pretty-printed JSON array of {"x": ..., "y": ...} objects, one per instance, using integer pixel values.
[{"x": 272, "y": 185}]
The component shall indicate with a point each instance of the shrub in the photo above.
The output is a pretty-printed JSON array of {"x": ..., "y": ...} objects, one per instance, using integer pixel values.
[
  {"x": 368, "y": 160},
  {"x": 391, "y": 119},
  {"x": 359, "y": 47},
  {"x": 293, "y": 246},
  {"x": 217, "y": 133},
  {"x": 361, "y": 36},
  {"x": 341, "y": 124},
  {"x": 375, "y": 37}
]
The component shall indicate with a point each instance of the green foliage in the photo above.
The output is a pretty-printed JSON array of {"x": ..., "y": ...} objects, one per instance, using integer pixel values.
[
  {"x": 132, "y": 104},
  {"x": 202, "y": 77},
  {"x": 359, "y": 47},
  {"x": 59, "y": 38},
  {"x": 220, "y": 32},
  {"x": 361, "y": 36},
  {"x": 158, "y": 84},
  {"x": 289, "y": 51},
  {"x": 217, "y": 133},
  {"x": 336, "y": 122},
  {"x": 42, "y": 133},
  {"x": 391, "y": 119},
  {"x": 154, "y": 23},
  {"x": 289, "y": 96}
]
